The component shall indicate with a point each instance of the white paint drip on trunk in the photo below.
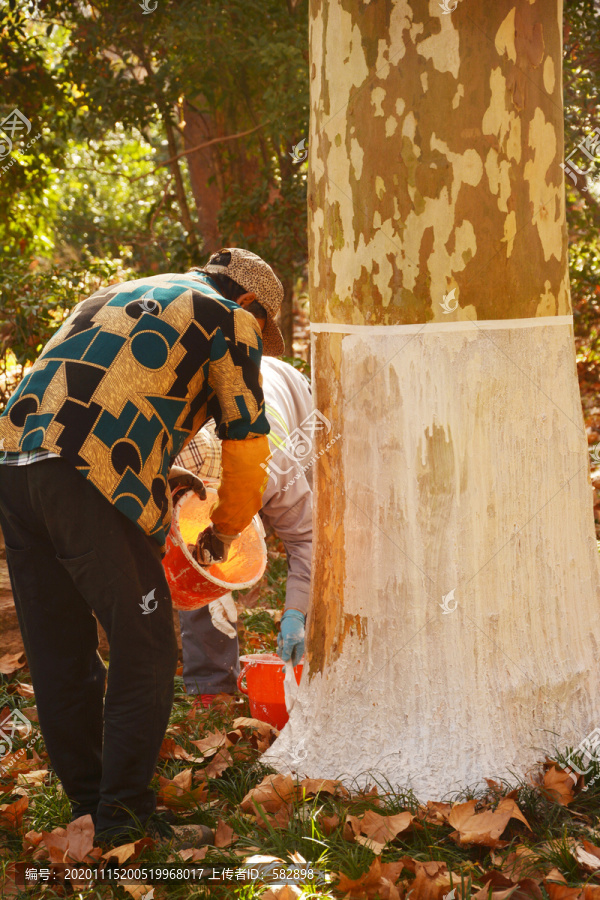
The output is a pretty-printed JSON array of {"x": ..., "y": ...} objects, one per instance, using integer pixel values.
[{"x": 464, "y": 464}]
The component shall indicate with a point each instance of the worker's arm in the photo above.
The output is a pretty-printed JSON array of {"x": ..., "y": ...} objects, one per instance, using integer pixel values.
[{"x": 239, "y": 412}]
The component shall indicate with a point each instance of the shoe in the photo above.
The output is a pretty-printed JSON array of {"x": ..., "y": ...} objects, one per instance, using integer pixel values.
[{"x": 159, "y": 828}]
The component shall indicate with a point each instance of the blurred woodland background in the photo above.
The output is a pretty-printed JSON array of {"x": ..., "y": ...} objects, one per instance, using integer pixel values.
[{"x": 161, "y": 136}]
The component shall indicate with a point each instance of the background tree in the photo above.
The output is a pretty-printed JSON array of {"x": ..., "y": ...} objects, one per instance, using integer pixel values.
[{"x": 460, "y": 477}]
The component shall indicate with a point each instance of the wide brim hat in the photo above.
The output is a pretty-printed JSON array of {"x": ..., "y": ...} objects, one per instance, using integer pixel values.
[{"x": 257, "y": 277}]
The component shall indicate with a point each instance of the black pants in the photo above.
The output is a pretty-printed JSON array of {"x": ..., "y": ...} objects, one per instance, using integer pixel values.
[{"x": 70, "y": 552}]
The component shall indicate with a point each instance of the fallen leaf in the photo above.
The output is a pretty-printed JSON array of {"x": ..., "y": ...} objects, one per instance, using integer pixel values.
[
  {"x": 432, "y": 880},
  {"x": 210, "y": 744},
  {"x": 483, "y": 828},
  {"x": 219, "y": 763},
  {"x": 75, "y": 843},
  {"x": 272, "y": 793},
  {"x": 11, "y": 814},
  {"x": 125, "y": 852},
  {"x": 279, "y": 819},
  {"x": 558, "y": 786},
  {"x": 557, "y": 889},
  {"x": 12, "y": 662},
  {"x": 32, "y": 839},
  {"x": 37, "y": 776},
  {"x": 372, "y": 884},
  {"x": 178, "y": 793},
  {"x": 329, "y": 823},
  {"x": 435, "y": 812},
  {"x": 224, "y": 835},
  {"x": 171, "y": 750},
  {"x": 351, "y": 828},
  {"x": 310, "y": 787},
  {"x": 384, "y": 828},
  {"x": 193, "y": 854},
  {"x": 139, "y": 891},
  {"x": 374, "y": 846},
  {"x": 24, "y": 690}
]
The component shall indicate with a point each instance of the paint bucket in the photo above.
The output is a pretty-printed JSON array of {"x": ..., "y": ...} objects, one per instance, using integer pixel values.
[
  {"x": 193, "y": 585},
  {"x": 264, "y": 673}
]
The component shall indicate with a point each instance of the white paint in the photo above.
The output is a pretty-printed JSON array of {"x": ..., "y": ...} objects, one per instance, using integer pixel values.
[
  {"x": 437, "y": 327},
  {"x": 464, "y": 468}
]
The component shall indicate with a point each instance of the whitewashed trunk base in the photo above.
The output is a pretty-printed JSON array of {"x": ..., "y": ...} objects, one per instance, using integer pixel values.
[{"x": 465, "y": 468}]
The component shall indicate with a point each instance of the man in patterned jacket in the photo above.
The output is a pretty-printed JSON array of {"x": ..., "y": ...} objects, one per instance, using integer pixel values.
[{"x": 85, "y": 505}]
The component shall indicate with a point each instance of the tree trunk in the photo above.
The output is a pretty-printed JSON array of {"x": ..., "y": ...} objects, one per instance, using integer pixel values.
[
  {"x": 461, "y": 470},
  {"x": 186, "y": 218},
  {"x": 203, "y": 175},
  {"x": 287, "y": 314}
]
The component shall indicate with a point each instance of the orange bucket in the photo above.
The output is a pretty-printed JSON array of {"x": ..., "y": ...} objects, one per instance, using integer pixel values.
[
  {"x": 264, "y": 673},
  {"x": 193, "y": 585}
]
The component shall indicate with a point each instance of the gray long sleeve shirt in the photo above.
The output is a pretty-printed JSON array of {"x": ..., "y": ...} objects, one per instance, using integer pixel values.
[{"x": 287, "y": 500}]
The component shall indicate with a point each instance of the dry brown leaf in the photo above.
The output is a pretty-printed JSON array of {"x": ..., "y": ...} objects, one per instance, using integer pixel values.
[
  {"x": 178, "y": 793},
  {"x": 11, "y": 814},
  {"x": 520, "y": 864},
  {"x": 24, "y": 690},
  {"x": 12, "y": 662},
  {"x": 558, "y": 785},
  {"x": 435, "y": 812},
  {"x": 561, "y": 891},
  {"x": 372, "y": 884},
  {"x": 272, "y": 793},
  {"x": 329, "y": 823},
  {"x": 224, "y": 835},
  {"x": 485, "y": 894},
  {"x": 219, "y": 763},
  {"x": 310, "y": 787},
  {"x": 125, "y": 852},
  {"x": 374, "y": 846},
  {"x": 32, "y": 839},
  {"x": 137, "y": 891},
  {"x": 483, "y": 828},
  {"x": 75, "y": 843},
  {"x": 279, "y": 819},
  {"x": 351, "y": 828},
  {"x": 16, "y": 762},
  {"x": 432, "y": 879},
  {"x": 192, "y": 854},
  {"x": 171, "y": 750},
  {"x": 37, "y": 776},
  {"x": 210, "y": 744},
  {"x": 286, "y": 892},
  {"x": 591, "y": 892},
  {"x": 384, "y": 828}
]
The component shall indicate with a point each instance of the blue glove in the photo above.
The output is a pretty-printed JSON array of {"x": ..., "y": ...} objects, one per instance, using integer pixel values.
[{"x": 290, "y": 641}]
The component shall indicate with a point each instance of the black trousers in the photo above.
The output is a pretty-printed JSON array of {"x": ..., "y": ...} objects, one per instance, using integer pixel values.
[{"x": 71, "y": 553}]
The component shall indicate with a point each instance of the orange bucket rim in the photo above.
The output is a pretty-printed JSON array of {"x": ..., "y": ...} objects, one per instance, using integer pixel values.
[{"x": 175, "y": 535}]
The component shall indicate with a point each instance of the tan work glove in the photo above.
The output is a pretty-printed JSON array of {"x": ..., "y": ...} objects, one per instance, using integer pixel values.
[
  {"x": 212, "y": 546},
  {"x": 223, "y": 615}
]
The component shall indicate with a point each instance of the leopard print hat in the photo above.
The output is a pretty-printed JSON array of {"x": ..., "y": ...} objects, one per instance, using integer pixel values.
[{"x": 253, "y": 273}]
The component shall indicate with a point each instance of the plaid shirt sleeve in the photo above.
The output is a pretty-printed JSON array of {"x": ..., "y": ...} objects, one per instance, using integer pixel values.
[{"x": 202, "y": 455}]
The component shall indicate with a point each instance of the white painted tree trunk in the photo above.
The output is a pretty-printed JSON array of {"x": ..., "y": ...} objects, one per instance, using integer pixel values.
[{"x": 462, "y": 470}]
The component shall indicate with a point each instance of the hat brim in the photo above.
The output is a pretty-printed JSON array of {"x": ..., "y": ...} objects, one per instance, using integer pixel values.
[{"x": 272, "y": 339}]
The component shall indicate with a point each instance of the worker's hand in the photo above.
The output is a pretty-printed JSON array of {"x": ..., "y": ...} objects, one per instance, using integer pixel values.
[
  {"x": 212, "y": 546},
  {"x": 290, "y": 641},
  {"x": 181, "y": 479},
  {"x": 223, "y": 615}
]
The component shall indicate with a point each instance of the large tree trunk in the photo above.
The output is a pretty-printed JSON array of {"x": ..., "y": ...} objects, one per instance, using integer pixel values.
[
  {"x": 204, "y": 176},
  {"x": 461, "y": 470}
]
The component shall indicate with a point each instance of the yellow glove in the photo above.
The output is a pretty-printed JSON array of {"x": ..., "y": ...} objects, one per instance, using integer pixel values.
[{"x": 242, "y": 484}]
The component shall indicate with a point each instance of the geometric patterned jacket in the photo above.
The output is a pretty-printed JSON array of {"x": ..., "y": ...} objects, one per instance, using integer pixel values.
[{"x": 130, "y": 377}]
